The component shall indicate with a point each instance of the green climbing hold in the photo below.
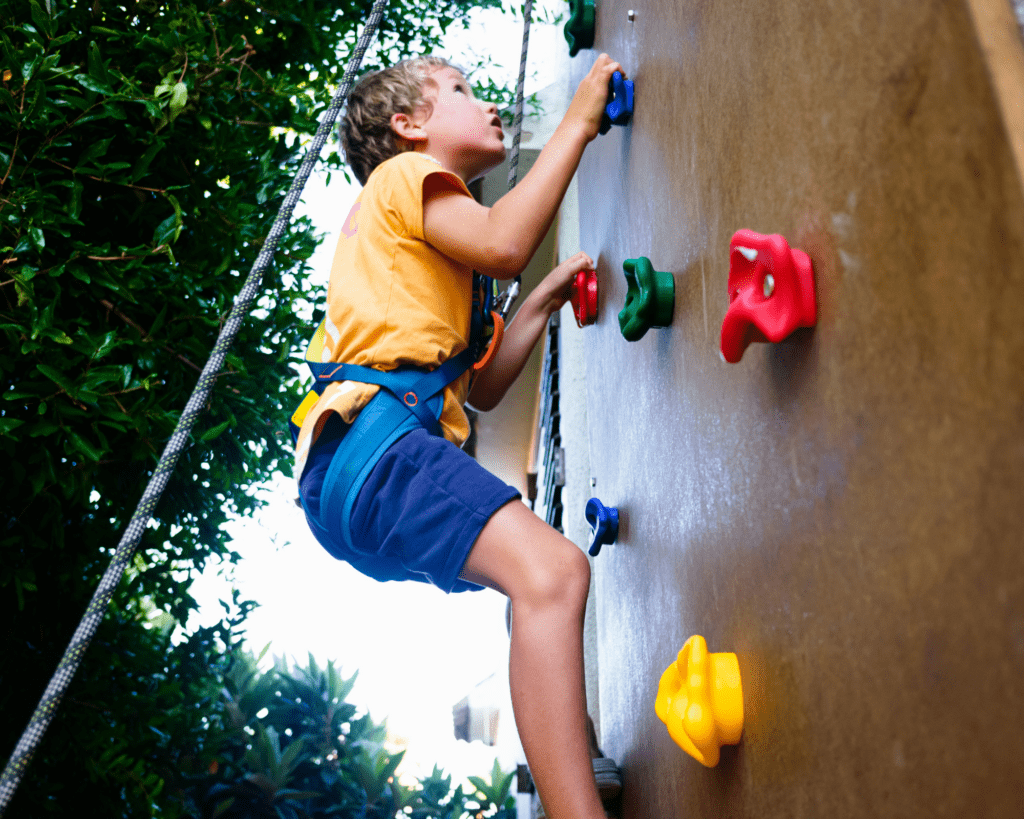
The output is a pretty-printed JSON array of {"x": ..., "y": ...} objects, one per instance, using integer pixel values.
[
  {"x": 650, "y": 299},
  {"x": 579, "y": 31}
]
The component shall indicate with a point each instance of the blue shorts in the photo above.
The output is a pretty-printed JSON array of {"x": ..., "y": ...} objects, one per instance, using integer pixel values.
[{"x": 419, "y": 513}]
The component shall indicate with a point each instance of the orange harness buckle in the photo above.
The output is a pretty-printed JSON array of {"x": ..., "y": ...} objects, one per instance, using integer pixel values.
[{"x": 492, "y": 348}]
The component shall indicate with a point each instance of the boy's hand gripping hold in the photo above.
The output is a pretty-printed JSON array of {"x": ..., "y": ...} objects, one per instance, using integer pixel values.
[
  {"x": 588, "y": 104},
  {"x": 525, "y": 329},
  {"x": 556, "y": 288}
]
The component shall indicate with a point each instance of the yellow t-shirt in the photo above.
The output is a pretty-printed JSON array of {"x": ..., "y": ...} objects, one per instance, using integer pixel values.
[{"x": 393, "y": 299}]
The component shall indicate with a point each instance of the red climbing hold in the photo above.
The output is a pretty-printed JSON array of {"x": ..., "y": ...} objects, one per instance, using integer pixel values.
[
  {"x": 771, "y": 292},
  {"x": 584, "y": 297}
]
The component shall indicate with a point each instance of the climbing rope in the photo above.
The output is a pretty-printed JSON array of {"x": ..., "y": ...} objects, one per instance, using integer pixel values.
[
  {"x": 90, "y": 621},
  {"x": 517, "y": 119},
  {"x": 512, "y": 293}
]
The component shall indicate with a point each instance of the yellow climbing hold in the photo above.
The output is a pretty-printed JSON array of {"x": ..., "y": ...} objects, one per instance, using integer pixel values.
[{"x": 700, "y": 700}]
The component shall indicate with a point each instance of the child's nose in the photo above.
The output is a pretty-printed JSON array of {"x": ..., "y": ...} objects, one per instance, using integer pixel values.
[{"x": 489, "y": 107}]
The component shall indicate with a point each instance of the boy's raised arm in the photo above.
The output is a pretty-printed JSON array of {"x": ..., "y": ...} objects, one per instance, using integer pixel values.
[{"x": 500, "y": 241}]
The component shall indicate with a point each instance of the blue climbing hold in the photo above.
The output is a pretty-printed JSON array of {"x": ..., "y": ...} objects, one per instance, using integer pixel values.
[
  {"x": 619, "y": 111},
  {"x": 604, "y": 524}
]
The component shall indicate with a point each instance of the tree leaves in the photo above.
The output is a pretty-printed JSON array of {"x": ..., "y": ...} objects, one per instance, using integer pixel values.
[
  {"x": 55, "y": 376},
  {"x": 287, "y": 738},
  {"x": 174, "y": 94},
  {"x": 92, "y": 84}
]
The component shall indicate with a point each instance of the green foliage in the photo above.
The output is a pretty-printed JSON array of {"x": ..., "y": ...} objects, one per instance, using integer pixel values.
[
  {"x": 145, "y": 146},
  {"x": 495, "y": 792},
  {"x": 288, "y": 745}
]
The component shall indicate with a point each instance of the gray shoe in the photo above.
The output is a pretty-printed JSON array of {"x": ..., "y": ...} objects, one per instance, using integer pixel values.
[{"x": 608, "y": 777}]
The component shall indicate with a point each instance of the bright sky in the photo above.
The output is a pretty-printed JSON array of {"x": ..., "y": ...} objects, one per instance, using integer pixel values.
[{"x": 417, "y": 650}]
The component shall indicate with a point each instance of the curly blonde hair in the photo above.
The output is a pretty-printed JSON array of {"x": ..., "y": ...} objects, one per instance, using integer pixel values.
[{"x": 366, "y": 135}]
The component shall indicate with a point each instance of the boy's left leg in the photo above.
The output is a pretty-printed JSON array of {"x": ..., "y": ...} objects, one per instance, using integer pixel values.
[{"x": 547, "y": 578}]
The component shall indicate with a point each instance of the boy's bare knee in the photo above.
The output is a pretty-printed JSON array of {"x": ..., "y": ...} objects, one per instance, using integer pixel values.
[{"x": 562, "y": 579}]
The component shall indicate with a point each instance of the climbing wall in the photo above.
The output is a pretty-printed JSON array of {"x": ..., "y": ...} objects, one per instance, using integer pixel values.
[{"x": 843, "y": 510}]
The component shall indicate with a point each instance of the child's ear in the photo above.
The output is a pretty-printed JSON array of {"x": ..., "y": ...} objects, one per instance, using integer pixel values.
[{"x": 407, "y": 128}]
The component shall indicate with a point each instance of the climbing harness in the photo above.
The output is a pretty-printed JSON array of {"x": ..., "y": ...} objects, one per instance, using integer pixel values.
[
  {"x": 43, "y": 714},
  {"x": 409, "y": 399}
]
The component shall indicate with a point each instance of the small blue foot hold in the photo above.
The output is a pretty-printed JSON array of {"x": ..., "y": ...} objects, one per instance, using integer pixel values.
[
  {"x": 604, "y": 524},
  {"x": 619, "y": 111}
]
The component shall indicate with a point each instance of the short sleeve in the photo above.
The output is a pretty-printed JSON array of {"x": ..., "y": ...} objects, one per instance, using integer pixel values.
[{"x": 401, "y": 180}]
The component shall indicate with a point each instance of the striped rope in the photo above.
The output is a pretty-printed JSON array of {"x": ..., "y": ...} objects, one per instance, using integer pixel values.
[
  {"x": 90, "y": 621},
  {"x": 512, "y": 293}
]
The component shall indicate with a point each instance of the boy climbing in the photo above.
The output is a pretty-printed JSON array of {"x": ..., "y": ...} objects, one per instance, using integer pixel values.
[{"x": 392, "y": 361}]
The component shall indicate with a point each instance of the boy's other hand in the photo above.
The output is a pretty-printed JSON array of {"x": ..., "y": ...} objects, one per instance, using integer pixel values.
[
  {"x": 588, "y": 104},
  {"x": 556, "y": 288}
]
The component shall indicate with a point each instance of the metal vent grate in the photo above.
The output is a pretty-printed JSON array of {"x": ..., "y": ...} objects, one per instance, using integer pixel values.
[{"x": 551, "y": 460}]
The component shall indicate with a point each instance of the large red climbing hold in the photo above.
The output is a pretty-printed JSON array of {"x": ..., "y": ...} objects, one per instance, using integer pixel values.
[{"x": 771, "y": 292}]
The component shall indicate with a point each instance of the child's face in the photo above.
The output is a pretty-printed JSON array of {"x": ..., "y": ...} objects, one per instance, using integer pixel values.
[{"x": 463, "y": 133}]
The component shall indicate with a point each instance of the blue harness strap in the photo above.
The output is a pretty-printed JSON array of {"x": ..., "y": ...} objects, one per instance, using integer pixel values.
[{"x": 409, "y": 399}]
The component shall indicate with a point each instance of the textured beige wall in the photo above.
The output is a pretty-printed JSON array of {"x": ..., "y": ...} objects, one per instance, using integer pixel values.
[{"x": 842, "y": 510}]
